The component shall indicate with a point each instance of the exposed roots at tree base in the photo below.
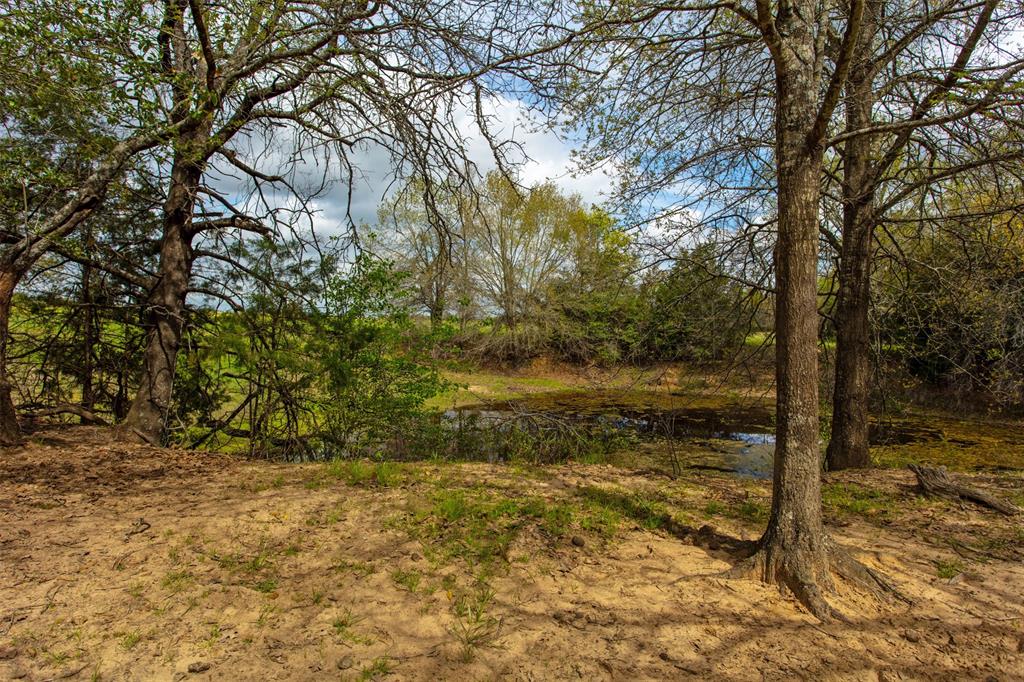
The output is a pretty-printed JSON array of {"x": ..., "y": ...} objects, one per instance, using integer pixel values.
[{"x": 810, "y": 578}]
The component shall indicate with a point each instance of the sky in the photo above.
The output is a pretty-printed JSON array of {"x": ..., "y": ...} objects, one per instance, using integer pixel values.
[{"x": 548, "y": 157}]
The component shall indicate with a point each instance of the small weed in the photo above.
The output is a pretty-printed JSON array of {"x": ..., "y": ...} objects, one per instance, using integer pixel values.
[
  {"x": 136, "y": 590},
  {"x": 343, "y": 625},
  {"x": 130, "y": 639},
  {"x": 262, "y": 559},
  {"x": 213, "y": 637},
  {"x": 947, "y": 570},
  {"x": 266, "y": 586},
  {"x": 266, "y": 613},
  {"x": 410, "y": 580},
  {"x": 361, "y": 568},
  {"x": 379, "y": 667},
  {"x": 177, "y": 581},
  {"x": 474, "y": 626},
  {"x": 57, "y": 658}
]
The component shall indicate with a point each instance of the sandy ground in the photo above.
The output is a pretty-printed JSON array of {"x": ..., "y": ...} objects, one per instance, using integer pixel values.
[{"x": 130, "y": 563}]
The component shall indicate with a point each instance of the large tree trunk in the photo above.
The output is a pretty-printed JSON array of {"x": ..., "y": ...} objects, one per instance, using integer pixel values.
[
  {"x": 848, "y": 445},
  {"x": 10, "y": 432},
  {"x": 166, "y": 306},
  {"x": 795, "y": 551}
]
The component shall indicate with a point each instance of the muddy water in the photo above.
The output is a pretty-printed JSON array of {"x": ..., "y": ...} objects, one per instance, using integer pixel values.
[
  {"x": 678, "y": 433},
  {"x": 728, "y": 437}
]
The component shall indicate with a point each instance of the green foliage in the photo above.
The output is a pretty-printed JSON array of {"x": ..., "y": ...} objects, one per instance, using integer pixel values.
[
  {"x": 525, "y": 439},
  {"x": 322, "y": 362},
  {"x": 362, "y": 473},
  {"x": 480, "y": 528},
  {"x": 693, "y": 310}
]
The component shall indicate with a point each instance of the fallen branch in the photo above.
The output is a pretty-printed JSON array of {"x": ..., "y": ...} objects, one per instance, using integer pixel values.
[
  {"x": 937, "y": 482},
  {"x": 78, "y": 411}
]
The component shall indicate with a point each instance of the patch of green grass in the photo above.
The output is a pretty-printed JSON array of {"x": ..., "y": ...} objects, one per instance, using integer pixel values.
[
  {"x": 213, "y": 637},
  {"x": 752, "y": 510},
  {"x": 378, "y": 668},
  {"x": 859, "y": 500},
  {"x": 343, "y": 625},
  {"x": 57, "y": 658},
  {"x": 714, "y": 508},
  {"x": 363, "y": 473},
  {"x": 177, "y": 581},
  {"x": 266, "y": 586},
  {"x": 267, "y": 613},
  {"x": 130, "y": 639},
  {"x": 947, "y": 570},
  {"x": 645, "y": 511},
  {"x": 479, "y": 527},
  {"x": 410, "y": 580},
  {"x": 474, "y": 626},
  {"x": 262, "y": 559}
]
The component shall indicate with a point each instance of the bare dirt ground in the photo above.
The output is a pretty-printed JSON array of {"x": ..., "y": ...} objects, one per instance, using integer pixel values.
[{"x": 132, "y": 563}]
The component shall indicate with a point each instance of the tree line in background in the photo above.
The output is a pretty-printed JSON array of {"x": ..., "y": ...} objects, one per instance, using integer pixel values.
[
  {"x": 527, "y": 272},
  {"x": 853, "y": 166}
]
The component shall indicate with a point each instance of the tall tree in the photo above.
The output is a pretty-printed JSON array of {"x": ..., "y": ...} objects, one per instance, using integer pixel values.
[
  {"x": 519, "y": 241},
  {"x": 913, "y": 118},
  {"x": 71, "y": 128},
  {"x": 337, "y": 76},
  {"x": 698, "y": 83}
]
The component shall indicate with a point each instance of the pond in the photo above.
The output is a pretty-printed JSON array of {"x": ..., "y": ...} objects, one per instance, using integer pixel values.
[
  {"x": 674, "y": 432},
  {"x": 733, "y": 438}
]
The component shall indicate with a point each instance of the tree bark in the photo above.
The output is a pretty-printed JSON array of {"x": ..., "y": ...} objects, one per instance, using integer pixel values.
[
  {"x": 795, "y": 551},
  {"x": 10, "y": 432},
  {"x": 794, "y": 548},
  {"x": 147, "y": 416},
  {"x": 848, "y": 444}
]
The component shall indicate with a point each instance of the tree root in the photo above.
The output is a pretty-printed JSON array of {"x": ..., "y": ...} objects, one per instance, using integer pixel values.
[
  {"x": 937, "y": 482},
  {"x": 810, "y": 580}
]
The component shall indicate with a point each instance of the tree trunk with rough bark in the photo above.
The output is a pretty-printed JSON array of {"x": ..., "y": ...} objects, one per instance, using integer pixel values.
[
  {"x": 166, "y": 306},
  {"x": 795, "y": 552},
  {"x": 848, "y": 445},
  {"x": 10, "y": 431}
]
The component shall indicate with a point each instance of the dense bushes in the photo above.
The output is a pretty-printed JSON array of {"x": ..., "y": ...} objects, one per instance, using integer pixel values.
[{"x": 953, "y": 313}]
